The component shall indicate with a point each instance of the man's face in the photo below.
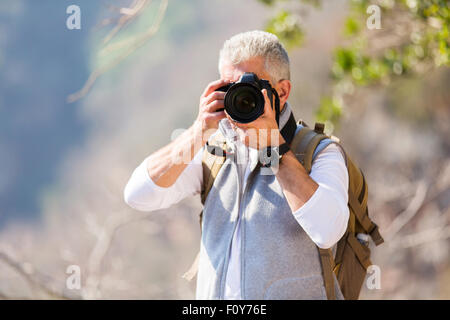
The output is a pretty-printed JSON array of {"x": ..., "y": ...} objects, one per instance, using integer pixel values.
[
  {"x": 251, "y": 134},
  {"x": 256, "y": 65}
]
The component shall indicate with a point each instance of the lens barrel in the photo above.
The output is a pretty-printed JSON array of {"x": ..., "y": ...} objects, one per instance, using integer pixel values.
[{"x": 244, "y": 101}]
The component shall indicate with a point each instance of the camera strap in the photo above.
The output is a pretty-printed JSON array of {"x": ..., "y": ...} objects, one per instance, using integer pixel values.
[
  {"x": 288, "y": 130},
  {"x": 277, "y": 105}
]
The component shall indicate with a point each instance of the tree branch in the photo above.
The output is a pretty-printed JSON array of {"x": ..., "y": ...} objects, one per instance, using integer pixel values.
[
  {"x": 135, "y": 43},
  {"x": 33, "y": 281}
]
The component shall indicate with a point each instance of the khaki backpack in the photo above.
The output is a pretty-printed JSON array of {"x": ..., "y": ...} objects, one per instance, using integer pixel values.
[{"x": 352, "y": 257}]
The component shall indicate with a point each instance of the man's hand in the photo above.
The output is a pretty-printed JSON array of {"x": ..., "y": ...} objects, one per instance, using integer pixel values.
[
  {"x": 208, "y": 115},
  {"x": 263, "y": 131},
  {"x": 165, "y": 165}
]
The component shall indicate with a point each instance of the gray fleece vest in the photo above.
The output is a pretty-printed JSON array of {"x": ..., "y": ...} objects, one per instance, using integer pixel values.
[{"x": 278, "y": 259}]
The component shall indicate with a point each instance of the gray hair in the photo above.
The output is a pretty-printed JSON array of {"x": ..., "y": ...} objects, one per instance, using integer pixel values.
[{"x": 247, "y": 45}]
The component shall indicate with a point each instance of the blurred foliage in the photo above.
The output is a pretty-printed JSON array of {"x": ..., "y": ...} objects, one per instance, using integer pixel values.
[
  {"x": 413, "y": 39},
  {"x": 286, "y": 26}
]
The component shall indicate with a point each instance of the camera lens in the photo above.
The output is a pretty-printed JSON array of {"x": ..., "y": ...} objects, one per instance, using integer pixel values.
[{"x": 244, "y": 102}]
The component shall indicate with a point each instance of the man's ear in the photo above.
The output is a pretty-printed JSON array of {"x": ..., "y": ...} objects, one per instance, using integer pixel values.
[{"x": 283, "y": 88}]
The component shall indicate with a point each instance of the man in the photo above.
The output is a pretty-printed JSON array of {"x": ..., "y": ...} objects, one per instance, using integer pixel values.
[{"x": 259, "y": 231}]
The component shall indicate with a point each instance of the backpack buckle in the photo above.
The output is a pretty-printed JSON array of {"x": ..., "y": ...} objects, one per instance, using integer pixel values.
[
  {"x": 375, "y": 235},
  {"x": 216, "y": 150},
  {"x": 319, "y": 127}
]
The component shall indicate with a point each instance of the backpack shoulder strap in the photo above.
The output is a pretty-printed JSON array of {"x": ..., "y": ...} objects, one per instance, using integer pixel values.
[
  {"x": 305, "y": 146},
  {"x": 305, "y": 143},
  {"x": 212, "y": 160},
  {"x": 327, "y": 263}
]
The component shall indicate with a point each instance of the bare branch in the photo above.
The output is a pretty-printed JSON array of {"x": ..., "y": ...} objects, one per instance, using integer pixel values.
[
  {"x": 134, "y": 43},
  {"x": 104, "y": 240},
  {"x": 128, "y": 15},
  {"x": 422, "y": 237},
  {"x": 36, "y": 281},
  {"x": 403, "y": 218}
]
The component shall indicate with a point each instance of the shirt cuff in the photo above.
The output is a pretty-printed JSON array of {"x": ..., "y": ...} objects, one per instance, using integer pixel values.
[
  {"x": 305, "y": 209},
  {"x": 143, "y": 173}
]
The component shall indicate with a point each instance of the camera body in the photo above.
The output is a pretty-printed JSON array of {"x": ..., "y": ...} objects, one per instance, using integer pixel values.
[{"x": 244, "y": 101}]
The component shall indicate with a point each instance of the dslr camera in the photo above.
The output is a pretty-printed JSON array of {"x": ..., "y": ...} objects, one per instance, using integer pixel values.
[{"x": 244, "y": 101}]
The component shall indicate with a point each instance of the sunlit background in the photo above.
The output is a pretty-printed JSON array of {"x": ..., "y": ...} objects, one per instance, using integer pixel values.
[{"x": 80, "y": 109}]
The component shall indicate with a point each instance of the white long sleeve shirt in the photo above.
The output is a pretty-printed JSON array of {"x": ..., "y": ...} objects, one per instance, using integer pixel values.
[{"x": 323, "y": 217}]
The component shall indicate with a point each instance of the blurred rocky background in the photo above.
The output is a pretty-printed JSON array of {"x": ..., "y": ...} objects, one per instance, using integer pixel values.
[{"x": 80, "y": 109}]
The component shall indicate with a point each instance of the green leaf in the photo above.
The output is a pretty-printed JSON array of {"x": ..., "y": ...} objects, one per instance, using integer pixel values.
[
  {"x": 287, "y": 28},
  {"x": 351, "y": 27},
  {"x": 330, "y": 109},
  {"x": 267, "y": 2}
]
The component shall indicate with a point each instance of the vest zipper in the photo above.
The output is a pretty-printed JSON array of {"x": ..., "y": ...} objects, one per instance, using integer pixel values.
[
  {"x": 242, "y": 192},
  {"x": 227, "y": 257},
  {"x": 242, "y": 231}
]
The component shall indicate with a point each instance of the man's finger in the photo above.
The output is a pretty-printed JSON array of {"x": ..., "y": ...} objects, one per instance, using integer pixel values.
[
  {"x": 215, "y": 116},
  {"x": 214, "y": 106},
  {"x": 240, "y": 125},
  {"x": 213, "y": 86},
  {"x": 215, "y": 95},
  {"x": 267, "y": 105}
]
